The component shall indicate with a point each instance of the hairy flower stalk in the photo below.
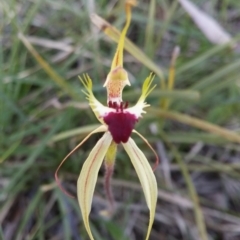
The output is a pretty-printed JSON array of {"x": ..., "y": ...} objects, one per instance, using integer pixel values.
[{"x": 118, "y": 121}]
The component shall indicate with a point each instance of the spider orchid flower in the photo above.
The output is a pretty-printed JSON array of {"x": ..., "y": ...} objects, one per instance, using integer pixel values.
[{"x": 118, "y": 121}]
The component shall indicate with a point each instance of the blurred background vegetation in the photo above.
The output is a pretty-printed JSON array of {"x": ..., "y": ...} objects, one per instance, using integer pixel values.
[{"x": 193, "y": 127}]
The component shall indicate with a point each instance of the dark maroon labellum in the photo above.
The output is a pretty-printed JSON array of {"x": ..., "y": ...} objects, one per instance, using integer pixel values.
[{"x": 120, "y": 123}]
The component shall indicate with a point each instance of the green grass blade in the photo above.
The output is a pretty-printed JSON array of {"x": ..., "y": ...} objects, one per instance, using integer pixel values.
[
  {"x": 48, "y": 69},
  {"x": 199, "y": 218},
  {"x": 198, "y": 123}
]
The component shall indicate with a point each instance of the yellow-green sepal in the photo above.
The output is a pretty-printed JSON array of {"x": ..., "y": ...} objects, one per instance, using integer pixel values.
[
  {"x": 146, "y": 177},
  {"x": 88, "y": 177}
]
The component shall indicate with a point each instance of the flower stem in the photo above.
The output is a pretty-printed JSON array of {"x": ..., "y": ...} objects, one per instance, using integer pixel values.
[
  {"x": 107, "y": 184},
  {"x": 109, "y": 168}
]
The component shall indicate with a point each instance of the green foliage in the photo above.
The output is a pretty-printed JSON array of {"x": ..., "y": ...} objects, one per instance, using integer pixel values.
[{"x": 44, "y": 114}]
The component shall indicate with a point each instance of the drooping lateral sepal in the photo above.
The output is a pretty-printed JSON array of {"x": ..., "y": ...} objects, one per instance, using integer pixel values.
[
  {"x": 88, "y": 177},
  {"x": 102, "y": 128},
  {"x": 146, "y": 177}
]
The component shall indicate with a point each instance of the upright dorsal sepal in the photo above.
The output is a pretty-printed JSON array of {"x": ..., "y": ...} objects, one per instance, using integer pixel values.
[
  {"x": 118, "y": 57},
  {"x": 117, "y": 78}
]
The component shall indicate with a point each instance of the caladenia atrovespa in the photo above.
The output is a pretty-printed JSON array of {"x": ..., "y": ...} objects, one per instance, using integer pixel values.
[{"x": 118, "y": 121}]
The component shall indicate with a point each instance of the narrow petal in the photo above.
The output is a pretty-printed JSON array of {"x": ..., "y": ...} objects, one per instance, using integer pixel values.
[
  {"x": 99, "y": 109},
  {"x": 102, "y": 128},
  {"x": 147, "y": 88},
  {"x": 146, "y": 177},
  {"x": 88, "y": 178}
]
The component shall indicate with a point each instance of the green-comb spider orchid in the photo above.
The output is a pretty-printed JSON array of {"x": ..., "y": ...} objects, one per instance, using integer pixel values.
[{"x": 118, "y": 121}]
